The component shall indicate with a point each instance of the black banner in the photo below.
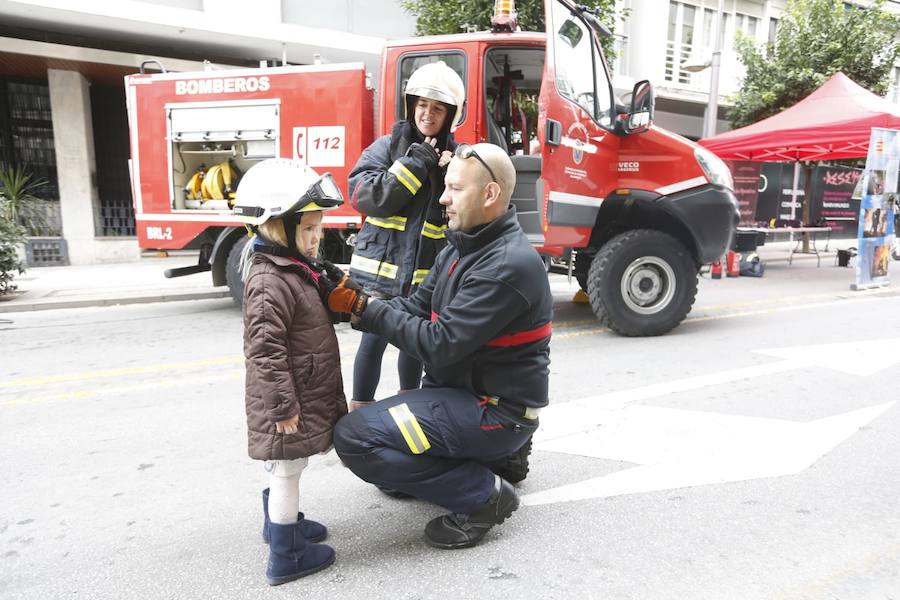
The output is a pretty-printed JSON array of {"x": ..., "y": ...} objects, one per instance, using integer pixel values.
[
  {"x": 746, "y": 176},
  {"x": 832, "y": 192}
]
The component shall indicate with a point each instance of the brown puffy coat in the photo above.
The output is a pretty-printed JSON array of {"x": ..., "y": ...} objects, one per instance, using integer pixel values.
[{"x": 292, "y": 361}]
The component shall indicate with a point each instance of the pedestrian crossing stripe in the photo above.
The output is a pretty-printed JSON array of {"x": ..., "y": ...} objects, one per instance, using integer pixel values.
[{"x": 409, "y": 428}]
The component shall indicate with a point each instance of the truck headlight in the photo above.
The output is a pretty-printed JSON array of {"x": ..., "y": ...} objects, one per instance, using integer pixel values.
[{"x": 714, "y": 169}]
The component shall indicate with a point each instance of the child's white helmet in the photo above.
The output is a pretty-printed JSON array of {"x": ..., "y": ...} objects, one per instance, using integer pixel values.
[{"x": 277, "y": 187}]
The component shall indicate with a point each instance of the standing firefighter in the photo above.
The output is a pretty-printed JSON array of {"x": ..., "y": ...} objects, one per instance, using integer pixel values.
[
  {"x": 294, "y": 393},
  {"x": 397, "y": 183}
]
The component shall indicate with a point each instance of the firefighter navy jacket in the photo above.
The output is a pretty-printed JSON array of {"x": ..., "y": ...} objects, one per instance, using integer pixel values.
[
  {"x": 481, "y": 319},
  {"x": 397, "y": 183}
]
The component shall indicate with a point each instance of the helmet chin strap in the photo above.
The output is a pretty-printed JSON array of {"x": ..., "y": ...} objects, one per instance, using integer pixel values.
[{"x": 290, "y": 221}]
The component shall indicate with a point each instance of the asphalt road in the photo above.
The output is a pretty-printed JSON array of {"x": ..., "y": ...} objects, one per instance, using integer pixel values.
[{"x": 750, "y": 454}]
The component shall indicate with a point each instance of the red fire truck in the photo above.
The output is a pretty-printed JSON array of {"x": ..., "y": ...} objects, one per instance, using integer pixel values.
[{"x": 636, "y": 209}]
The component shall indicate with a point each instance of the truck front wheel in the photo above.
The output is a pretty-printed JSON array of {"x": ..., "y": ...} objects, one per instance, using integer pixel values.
[
  {"x": 642, "y": 282},
  {"x": 233, "y": 270}
]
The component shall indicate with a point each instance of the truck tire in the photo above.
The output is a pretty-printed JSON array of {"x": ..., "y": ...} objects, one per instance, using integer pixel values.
[
  {"x": 642, "y": 282},
  {"x": 233, "y": 270},
  {"x": 582, "y": 266}
]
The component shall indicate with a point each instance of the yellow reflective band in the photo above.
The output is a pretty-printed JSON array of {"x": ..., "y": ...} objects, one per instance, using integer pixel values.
[
  {"x": 433, "y": 231},
  {"x": 398, "y": 223},
  {"x": 406, "y": 177},
  {"x": 409, "y": 428},
  {"x": 419, "y": 275},
  {"x": 367, "y": 265}
]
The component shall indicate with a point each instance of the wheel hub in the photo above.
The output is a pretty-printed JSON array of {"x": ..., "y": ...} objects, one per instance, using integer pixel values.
[{"x": 648, "y": 285}]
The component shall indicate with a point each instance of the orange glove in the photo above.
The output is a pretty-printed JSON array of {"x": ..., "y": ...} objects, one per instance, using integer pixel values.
[{"x": 348, "y": 297}]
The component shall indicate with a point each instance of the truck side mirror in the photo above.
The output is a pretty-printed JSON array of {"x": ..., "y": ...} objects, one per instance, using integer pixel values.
[{"x": 640, "y": 114}]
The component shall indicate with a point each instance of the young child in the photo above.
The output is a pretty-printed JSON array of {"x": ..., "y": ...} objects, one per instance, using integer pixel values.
[{"x": 294, "y": 392}]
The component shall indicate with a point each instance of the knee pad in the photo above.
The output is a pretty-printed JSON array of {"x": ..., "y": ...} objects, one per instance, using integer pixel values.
[{"x": 286, "y": 468}]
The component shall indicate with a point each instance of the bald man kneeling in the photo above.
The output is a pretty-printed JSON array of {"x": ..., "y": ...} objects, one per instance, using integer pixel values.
[{"x": 481, "y": 324}]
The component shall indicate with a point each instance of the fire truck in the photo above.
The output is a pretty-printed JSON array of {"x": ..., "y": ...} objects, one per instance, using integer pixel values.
[{"x": 632, "y": 210}]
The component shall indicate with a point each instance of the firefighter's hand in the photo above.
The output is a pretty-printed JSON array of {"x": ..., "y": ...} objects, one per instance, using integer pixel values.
[
  {"x": 288, "y": 425},
  {"x": 446, "y": 157},
  {"x": 355, "y": 404},
  {"x": 348, "y": 297},
  {"x": 424, "y": 152}
]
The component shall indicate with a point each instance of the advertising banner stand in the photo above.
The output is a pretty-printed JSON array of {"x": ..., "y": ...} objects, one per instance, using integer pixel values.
[{"x": 881, "y": 189}]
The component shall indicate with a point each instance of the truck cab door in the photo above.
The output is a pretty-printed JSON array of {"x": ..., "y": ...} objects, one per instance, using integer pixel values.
[{"x": 575, "y": 127}]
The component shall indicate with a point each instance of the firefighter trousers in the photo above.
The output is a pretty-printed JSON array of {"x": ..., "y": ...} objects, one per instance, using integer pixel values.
[{"x": 431, "y": 443}]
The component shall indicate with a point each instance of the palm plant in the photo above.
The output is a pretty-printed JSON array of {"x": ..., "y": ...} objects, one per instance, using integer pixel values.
[{"x": 19, "y": 202}]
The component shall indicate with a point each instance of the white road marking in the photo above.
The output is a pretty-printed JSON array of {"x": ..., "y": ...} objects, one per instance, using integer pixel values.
[{"x": 681, "y": 448}]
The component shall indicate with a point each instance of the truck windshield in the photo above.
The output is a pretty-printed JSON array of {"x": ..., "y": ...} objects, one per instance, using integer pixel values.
[{"x": 580, "y": 71}]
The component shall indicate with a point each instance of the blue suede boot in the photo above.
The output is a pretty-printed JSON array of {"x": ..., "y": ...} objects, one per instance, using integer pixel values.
[
  {"x": 312, "y": 531},
  {"x": 292, "y": 556}
]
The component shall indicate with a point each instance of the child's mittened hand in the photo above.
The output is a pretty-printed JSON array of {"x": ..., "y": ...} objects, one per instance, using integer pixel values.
[
  {"x": 333, "y": 272},
  {"x": 288, "y": 425}
]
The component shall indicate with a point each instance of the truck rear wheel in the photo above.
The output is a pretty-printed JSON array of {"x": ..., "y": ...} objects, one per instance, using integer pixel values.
[
  {"x": 233, "y": 270},
  {"x": 642, "y": 282}
]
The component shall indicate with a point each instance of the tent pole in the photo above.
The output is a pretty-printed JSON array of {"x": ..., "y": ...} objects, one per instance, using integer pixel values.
[
  {"x": 795, "y": 192},
  {"x": 807, "y": 203}
]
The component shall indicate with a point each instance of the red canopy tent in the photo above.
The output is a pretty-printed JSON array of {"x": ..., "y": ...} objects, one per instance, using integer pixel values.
[{"x": 833, "y": 122}]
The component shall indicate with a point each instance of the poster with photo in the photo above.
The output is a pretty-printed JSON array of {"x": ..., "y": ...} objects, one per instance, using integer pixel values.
[{"x": 881, "y": 190}]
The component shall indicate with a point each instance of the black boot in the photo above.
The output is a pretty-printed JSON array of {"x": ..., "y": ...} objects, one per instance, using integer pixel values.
[
  {"x": 514, "y": 468},
  {"x": 292, "y": 556},
  {"x": 312, "y": 531},
  {"x": 463, "y": 531}
]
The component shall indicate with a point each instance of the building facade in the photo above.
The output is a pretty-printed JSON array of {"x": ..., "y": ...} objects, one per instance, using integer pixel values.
[
  {"x": 658, "y": 49},
  {"x": 62, "y": 103}
]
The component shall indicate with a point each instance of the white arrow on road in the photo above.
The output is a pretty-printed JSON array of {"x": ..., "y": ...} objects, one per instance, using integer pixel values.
[{"x": 680, "y": 448}]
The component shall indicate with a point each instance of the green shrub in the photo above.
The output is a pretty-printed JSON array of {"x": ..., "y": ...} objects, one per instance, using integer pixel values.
[{"x": 11, "y": 235}]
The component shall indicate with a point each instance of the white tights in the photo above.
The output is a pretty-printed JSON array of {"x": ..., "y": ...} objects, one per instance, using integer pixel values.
[{"x": 284, "y": 489}]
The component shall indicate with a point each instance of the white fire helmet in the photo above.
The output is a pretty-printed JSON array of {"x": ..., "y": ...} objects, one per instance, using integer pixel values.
[
  {"x": 277, "y": 187},
  {"x": 439, "y": 82}
]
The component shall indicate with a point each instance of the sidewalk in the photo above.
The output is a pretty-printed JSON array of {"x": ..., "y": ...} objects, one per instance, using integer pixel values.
[{"x": 142, "y": 281}]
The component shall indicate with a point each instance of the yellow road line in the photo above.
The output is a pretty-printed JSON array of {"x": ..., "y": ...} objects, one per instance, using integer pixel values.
[
  {"x": 109, "y": 373},
  {"x": 124, "y": 389}
]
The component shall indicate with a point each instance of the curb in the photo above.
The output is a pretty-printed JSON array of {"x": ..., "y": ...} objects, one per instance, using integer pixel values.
[{"x": 35, "y": 305}]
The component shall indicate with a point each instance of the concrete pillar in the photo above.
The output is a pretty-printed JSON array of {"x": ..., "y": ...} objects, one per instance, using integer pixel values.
[{"x": 76, "y": 168}]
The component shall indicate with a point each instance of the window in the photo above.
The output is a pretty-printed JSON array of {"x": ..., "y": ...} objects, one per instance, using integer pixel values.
[
  {"x": 773, "y": 29},
  {"x": 681, "y": 38},
  {"x": 580, "y": 70},
  {"x": 709, "y": 28},
  {"x": 411, "y": 62},
  {"x": 687, "y": 25},
  {"x": 746, "y": 24}
]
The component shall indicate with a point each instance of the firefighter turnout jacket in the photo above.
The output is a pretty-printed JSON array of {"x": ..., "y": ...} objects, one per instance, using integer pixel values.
[
  {"x": 397, "y": 183},
  {"x": 481, "y": 320}
]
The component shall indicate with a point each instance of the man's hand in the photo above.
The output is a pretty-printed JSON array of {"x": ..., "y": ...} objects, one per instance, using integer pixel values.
[
  {"x": 446, "y": 157},
  {"x": 348, "y": 297},
  {"x": 288, "y": 425}
]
